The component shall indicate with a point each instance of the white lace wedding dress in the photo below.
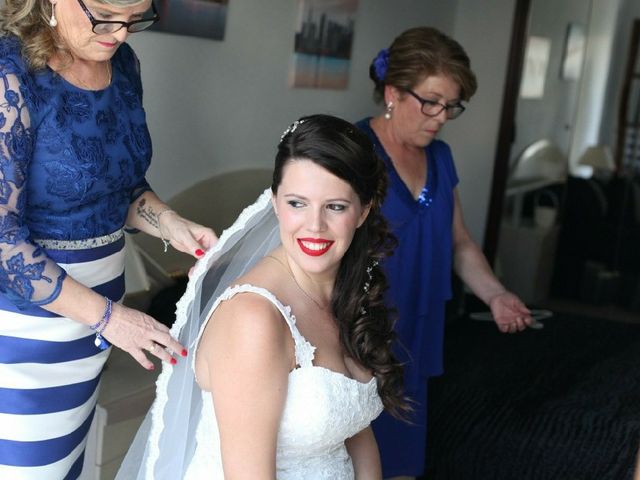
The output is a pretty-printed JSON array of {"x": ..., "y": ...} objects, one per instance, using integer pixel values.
[{"x": 323, "y": 409}]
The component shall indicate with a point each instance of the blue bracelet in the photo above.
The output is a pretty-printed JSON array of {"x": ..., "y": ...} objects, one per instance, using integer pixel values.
[{"x": 101, "y": 342}]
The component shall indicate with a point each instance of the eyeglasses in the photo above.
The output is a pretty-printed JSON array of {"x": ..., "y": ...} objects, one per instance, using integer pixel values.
[
  {"x": 112, "y": 26},
  {"x": 431, "y": 108}
]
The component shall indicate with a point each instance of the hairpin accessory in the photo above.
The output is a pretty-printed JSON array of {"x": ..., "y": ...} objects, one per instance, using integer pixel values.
[
  {"x": 381, "y": 64},
  {"x": 291, "y": 128},
  {"x": 370, "y": 268},
  {"x": 387, "y": 114},
  {"x": 367, "y": 284},
  {"x": 53, "y": 21},
  {"x": 99, "y": 327}
]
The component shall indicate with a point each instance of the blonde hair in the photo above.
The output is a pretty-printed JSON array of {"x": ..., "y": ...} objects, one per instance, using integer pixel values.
[{"x": 29, "y": 21}]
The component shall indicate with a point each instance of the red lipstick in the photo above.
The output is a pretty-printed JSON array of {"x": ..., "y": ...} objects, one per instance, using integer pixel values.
[{"x": 314, "y": 246}]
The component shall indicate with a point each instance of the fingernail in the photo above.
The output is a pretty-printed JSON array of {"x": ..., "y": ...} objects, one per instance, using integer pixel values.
[
  {"x": 173, "y": 361},
  {"x": 151, "y": 367},
  {"x": 199, "y": 252},
  {"x": 184, "y": 352}
]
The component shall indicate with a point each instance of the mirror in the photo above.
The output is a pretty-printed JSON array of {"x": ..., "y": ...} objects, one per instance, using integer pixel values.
[{"x": 558, "y": 229}]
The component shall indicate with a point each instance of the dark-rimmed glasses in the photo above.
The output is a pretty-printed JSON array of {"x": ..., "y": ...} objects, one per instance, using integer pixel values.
[
  {"x": 112, "y": 26},
  {"x": 431, "y": 108}
]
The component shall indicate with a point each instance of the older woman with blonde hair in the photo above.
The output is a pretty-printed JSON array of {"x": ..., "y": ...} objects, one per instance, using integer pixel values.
[{"x": 74, "y": 149}]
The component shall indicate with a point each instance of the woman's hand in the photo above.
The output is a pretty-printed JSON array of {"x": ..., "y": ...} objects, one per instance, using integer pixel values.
[
  {"x": 510, "y": 313},
  {"x": 134, "y": 332},
  {"x": 185, "y": 235}
]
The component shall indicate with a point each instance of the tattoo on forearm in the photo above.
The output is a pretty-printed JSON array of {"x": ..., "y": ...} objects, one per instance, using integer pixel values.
[{"x": 147, "y": 213}]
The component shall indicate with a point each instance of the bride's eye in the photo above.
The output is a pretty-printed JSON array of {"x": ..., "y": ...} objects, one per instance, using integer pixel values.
[
  {"x": 337, "y": 207},
  {"x": 295, "y": 203}
]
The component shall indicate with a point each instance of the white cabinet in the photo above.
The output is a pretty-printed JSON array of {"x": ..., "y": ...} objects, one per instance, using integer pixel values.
[{"x": 526, "y": 255}]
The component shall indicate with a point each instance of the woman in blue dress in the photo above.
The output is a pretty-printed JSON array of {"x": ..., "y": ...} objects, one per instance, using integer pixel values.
[
  {"x": 74, "y": 149},
  {"x": 423, "y": 79}
]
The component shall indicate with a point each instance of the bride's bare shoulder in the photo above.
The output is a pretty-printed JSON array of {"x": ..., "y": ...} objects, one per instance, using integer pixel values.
[{"x": 266, "y": 274}]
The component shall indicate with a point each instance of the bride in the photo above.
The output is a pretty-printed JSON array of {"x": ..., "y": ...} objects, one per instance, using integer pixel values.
[{"x": 289, "y": 336}]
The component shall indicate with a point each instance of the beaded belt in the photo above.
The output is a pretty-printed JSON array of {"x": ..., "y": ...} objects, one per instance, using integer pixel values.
[{"x": 84, "y": 244}]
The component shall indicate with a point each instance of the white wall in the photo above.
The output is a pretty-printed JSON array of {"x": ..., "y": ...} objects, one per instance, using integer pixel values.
[
  {"x": 629, "y": 11},
  {"x": 553, "y": 115},
  {"x": 484, "y": 30},
  {"x": 592, "y": 102},
  {"x": 220, "y": 106}
]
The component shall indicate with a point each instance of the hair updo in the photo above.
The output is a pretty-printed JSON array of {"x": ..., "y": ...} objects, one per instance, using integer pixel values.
[{"x": 418, "y": 53}]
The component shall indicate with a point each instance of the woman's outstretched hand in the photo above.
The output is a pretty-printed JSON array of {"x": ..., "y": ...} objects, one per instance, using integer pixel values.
[
  {"x": 510, "y": 313},
  {"x": 138, "y": 334}
]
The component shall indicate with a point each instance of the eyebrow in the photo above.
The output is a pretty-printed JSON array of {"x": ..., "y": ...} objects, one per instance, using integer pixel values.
[
  {"x": 442, "y": 97},
  {"x": 302, "y": 197}
]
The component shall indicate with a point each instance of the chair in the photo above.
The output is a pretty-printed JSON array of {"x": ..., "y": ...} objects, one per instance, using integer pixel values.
[{"x": 215, "y": 202}]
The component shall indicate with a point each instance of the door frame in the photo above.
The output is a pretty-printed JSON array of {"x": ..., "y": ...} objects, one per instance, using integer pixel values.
[{"x": 506, "y": 132}]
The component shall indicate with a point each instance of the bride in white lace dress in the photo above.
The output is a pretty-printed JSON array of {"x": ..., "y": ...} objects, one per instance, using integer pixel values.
[{"x": 290, "y": 339}]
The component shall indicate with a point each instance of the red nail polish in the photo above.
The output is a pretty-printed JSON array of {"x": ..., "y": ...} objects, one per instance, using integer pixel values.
[
  {"x": 152, "y": 367},
  {"x": 173, "y": 361},
  {"x": 199, "y": 252},
  {"x": 184, "y": 352}
]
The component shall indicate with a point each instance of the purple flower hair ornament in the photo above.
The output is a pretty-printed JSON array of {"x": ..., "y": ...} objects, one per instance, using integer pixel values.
[{"x": 381, "y": 63}]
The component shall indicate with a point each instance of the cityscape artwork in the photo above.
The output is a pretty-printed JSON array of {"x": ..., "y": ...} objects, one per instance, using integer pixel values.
[
  {"x": 198, "y": 18},
  {"x": 322, "y": 47}
]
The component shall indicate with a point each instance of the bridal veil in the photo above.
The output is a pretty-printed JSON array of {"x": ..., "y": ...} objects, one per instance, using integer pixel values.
[{"x": 166, "y": 440}]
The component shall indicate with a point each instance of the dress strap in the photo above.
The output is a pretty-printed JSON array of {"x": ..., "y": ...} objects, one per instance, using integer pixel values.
[{"x": 303, "y": 349}]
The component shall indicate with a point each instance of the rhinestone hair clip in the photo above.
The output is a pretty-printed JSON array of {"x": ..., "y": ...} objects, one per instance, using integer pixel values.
[{"x": 291, "y": 128}]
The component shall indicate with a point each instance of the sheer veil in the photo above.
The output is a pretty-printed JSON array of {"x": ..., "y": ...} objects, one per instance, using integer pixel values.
[{"x": 165, "y": 443}]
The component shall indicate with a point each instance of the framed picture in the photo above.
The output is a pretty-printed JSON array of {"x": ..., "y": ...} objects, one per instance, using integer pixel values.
[
  {"x": 322, "y": 46},
  {"x": 197, "y": 18},
  {"x": 573, "y": 54},
  {"x": 536, "y": 60}
]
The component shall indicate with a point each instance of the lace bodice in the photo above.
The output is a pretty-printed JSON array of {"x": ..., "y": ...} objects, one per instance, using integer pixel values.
[
  {"x": 71, "y": 162},
  {"x": 323, "y": 409}
]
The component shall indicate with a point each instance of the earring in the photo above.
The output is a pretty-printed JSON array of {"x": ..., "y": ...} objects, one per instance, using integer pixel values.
[
  {"x": 387, "y": 114},
  {"x": 53, "y": 21}
]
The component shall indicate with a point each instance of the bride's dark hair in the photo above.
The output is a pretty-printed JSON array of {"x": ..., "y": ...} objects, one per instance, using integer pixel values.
[{"x": 364, "y": 322}]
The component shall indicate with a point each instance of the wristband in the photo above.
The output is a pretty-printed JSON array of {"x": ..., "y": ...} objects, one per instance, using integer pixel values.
[{"x": 101, "y": 342}]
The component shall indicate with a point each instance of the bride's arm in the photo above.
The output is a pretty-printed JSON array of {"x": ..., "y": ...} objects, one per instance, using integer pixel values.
[
  {"x": 363, "y": 450},
  {"x": 248, "y": 351}
]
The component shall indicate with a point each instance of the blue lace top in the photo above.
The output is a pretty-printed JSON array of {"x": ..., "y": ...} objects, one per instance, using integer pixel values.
[{"x": 71, "y": 163}]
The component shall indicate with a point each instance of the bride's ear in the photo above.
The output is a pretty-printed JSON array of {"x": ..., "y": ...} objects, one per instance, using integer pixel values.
[
  {"x": 273, "y": 203},
  {"x": 365, "y": 213}
]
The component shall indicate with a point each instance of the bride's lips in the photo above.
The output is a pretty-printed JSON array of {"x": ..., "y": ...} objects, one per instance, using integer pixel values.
[{"x": 314, "y": 246}]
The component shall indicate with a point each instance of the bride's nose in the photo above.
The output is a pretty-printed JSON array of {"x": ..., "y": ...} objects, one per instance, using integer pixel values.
[{"x": 316, "y": 221}]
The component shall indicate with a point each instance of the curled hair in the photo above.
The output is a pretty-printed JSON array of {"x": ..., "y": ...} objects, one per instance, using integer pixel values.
[
  {"x": 28, "y": 20},
  {"x": 364, "y": 322},
  {"x": 421, "y": 52}
]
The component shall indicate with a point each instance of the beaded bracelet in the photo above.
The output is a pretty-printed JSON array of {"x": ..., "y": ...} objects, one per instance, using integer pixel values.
[
  {"x": 165, "y": 242},
  {"x": 99, "y": 327}
]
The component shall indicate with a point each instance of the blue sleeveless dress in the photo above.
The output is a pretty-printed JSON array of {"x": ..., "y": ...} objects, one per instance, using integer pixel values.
[
  {"x": 419, "y": 276},
  {"x": 71, "y": 163}
]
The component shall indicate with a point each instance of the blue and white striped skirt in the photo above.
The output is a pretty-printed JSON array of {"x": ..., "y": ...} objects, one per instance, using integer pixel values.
[{"x": 50, "y": 369}]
